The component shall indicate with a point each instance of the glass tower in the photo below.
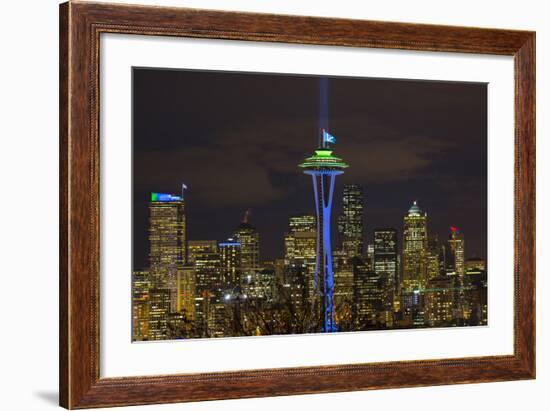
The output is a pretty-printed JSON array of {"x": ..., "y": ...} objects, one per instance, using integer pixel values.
[{"x": 350, "y": 222}]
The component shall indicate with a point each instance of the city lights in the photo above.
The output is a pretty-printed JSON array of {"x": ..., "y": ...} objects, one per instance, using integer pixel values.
[{"x": 208, "y": 288}]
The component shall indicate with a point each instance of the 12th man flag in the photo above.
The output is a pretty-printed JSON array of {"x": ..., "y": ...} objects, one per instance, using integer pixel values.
[{"x": 328, "y": 138}]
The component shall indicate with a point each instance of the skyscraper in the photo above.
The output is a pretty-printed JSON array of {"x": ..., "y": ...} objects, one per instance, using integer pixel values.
[
  {"x": 167, "y": 241},
  {"x": 140, "y": 305},
  {"x": 300, "y": 250},
  {"x": 159, "y": 311},
  {"x": 300, "y": 253},
  {"x": 186, "y": 292},
  {"x": 350, "y": 222},
  {"x": 475, "y": 263},
  {"x": 415, "y": 244},
  {"x": 249, "y": 240},
  {"x": 230, "y": 255},
  {"x": 343, "y": 287},
  {"x": 323, "y": 168},
  {"x": 208, "y": 286},
  {"x": 302, "y": 222},
  {"x": 439, "y": 301},
  {"x": 385, "y": 263},
  {"x": 454, "y": 259},
  {"x": 197, "y": 247},
  {"x": 456, "y": 251},
  {"x": 433, "y": 256},
  {"x": 368, "y": 297}
]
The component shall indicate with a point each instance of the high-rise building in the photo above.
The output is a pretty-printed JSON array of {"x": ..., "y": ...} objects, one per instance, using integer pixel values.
[
  {"x": 350, "y": 222},
  {"x": 433, "y": 255},
  {"x": 370, "y": 256},
  {"x": 475, "y": 285},
  {"x": 231, "y": 255},
  {"x": 167, "y": 241},
  {"x": 439, "y": 301},
  {"x": 456, "y": 252},
  {"x": 259, "y": 286},
  {"x": 205, "y": 260},
  {"x": 415, "y": 244},
  {"x": 196, "y": 247},
  {"x": 140, "y": 306},
  {"x": 300, "y": 252},
  {"x": 159, "y": 312},
  {"x": 368, "y": 298},
  {"x": 343, "y": 287},
  {"x": 218, "y": 320},
  {"x": 186, "y": 292},
  {"x": 249, "y": 239},
  {"x": 301, "y": 223},
  {"x": 323, "y": 168},
  {"x": 385, "y": 263},
  {"x": 475, "y": 263},
  {"x": 300, "y": 243},
  {"x": 208, "y": 274}
]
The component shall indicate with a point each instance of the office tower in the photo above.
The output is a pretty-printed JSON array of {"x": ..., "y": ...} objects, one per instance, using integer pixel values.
[
  {"x": 343, "y": 288},
  {"x": 300, "y": 253},
  {"x": 231, "y": 252},
  {"x": 186, "y": 292},
  {"x": 249, "y": 239},
  {"x": 385, "y": 264},
  {"x": 350, "y": 222},
  {"x": 323, "y": 167},
  {"x": 208, "y": 285},
  {"x": 385, "y": 254},
  {"x": 159, "y": 310},
  {"x": 140, "y": 305},
  {"x": 415, "y": 244},
  {"x": 300, "y": 244},
  {"x": 218, "y": 321},
  {"x": 454, "y": 262},
  {"x": 412, "y": 308},
  {"x": 195, "y": 247},
  {"x": 370, "y": 256},
  {"x": 475, "y": 263},
  {"x": 456, "y": 251},
  {"x": 302, "y": 222},
  {"x": 368, "y": 298},
  {"x": 279, "y": 271},
  {"x": 433, "y": 254},
  {"x": 475, "y": 286},
  {"x": 167, "y": 241},
  {"x": 439, "y": 301},
  {"x": 301, "y": 241},
  {"x": 208, "y": 274},
  {"x": 259, "y": 286}
]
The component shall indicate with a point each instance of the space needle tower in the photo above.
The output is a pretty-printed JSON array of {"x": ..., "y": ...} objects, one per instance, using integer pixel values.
[{"x": 323, "y": 167}]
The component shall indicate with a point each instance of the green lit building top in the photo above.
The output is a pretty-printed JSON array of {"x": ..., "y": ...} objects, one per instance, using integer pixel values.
[{"x": 323, "y": 160}]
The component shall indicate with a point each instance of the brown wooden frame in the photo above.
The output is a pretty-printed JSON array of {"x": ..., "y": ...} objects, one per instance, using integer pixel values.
[{"x": 80, "y": 27}]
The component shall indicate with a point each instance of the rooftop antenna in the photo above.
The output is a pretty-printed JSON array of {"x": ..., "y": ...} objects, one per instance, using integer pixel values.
[{"x": 183, "y": 188}]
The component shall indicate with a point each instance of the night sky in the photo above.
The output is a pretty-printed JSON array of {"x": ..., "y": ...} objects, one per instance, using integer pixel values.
[{"x": 236, "y": 139}]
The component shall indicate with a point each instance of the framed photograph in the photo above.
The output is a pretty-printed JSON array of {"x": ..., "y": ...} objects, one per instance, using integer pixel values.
[{"x": 259, "y": 205}]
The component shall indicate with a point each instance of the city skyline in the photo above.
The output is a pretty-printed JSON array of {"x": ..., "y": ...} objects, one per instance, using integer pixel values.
[
  {"x": 209, "y": 288},
  {"x": 359, "y": 242},
  {"x": 304, "y": 267},
  {"x": 428, "y": 173}
]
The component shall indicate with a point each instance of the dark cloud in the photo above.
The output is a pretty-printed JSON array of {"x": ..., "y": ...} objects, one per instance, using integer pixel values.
[{"x": 236, "y": 140}]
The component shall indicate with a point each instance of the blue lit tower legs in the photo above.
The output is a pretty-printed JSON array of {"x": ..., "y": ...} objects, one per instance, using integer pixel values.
[{"x": 323, "y": 167}]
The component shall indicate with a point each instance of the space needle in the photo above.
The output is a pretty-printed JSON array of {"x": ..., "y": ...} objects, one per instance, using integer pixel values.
[{"x": 323, "y": 167}]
